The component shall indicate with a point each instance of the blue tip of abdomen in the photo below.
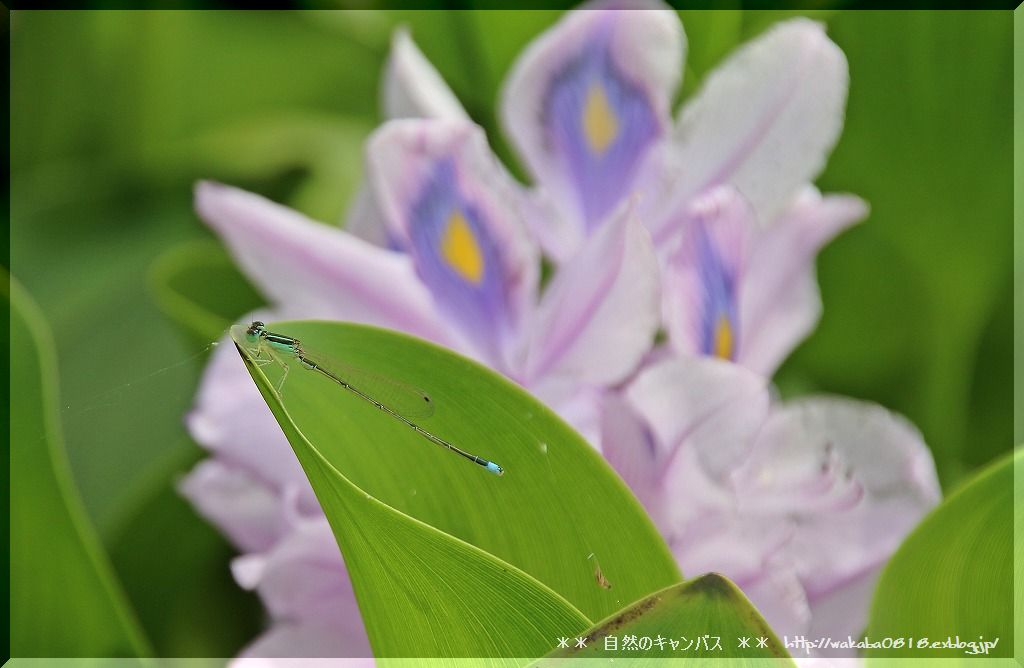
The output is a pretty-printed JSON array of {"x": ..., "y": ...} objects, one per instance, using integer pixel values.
[{"x": 495, "y": 469}]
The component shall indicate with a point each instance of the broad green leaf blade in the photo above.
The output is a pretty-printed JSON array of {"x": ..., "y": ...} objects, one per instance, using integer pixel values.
[
  {"x": 65, "y": 599},
  {"x": 952, "y": 575},
  {"x": 423, "y": 592},
  {"x": 557, "y": 503},
  {"x": 700, "y": 615}
]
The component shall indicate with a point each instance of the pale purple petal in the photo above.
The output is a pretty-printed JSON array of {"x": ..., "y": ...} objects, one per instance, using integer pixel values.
[
  {"x": 780, "y": 598},
  {"x": 853, "y": 477},
  {"x": 700, "y": 416},
  {"x": 316, "y": 269},
  {"x": 690, "y": 508},
  {"x": 579, "y": 405},
  {"x": 245, "y": 508},
  {"x": 412, "y": 87},
  {"x": 703, "y": 276},
  {"x": 765, "y": 120},
  {"x": 303, "y": 576},
  {"x": 800, "y": 505},
  {"x": 599, "y": 315},
  {"x": 696, "y": 515},
  {"x": 843, "y": 611},
  {"x": 297, "y": 644},
  {"x": 364, "y": 219},
  {"x": 454, "y": 208},
  {"x": 588, "y": 100},
  {"x": 717, "y": 538},
  {"x": 627, "y": 444},
  {"x": 702, "y": 404},
  {"x": 557, "y": 235},
  {"x": 779, "y": 301},
  {"x": 281, "y": 634}
]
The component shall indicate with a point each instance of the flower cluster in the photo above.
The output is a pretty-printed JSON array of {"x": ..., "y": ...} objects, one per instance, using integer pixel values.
[{"x": 705, "y": 227}]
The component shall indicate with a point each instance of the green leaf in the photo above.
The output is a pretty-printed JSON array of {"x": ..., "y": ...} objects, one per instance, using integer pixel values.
[
  {"x": 500, "y": 565},
  {"x": 1018, "y": 225},
  {"x": 186, "y": 599},
  {"x": 474, "y": 50},
  {"x": 756, "y": 21},
  {"x": 65, "y": 599},
  {"x": 928, "y": 166},
  {"x": 710, "y": 37},
  {"x": 951, "y": 576},
  {"x": 126, "y": 377},
  {"x": 191, "y": 71},
  {"x": 709, "y": 607},
  {"x": 326, "y": 149},
  {"x": 198, "y": 287}
]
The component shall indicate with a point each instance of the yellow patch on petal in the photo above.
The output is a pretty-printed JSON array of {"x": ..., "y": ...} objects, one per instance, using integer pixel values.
[
  {"x": 460, "y": 249},
  {"x": 600, "y": 126},
  {"x": 723, "y": 338}
]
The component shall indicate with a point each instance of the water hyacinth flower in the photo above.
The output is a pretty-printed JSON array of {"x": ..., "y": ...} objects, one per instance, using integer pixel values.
[
  {"x": 588, "y": 108},
  {"x": 740, "y": 291},
  {"x": 467, "y": 279},
  {"x": 799, "y": 503},
  {"x": 706, "y": 226},
  {"x": 745, "y": 147}
]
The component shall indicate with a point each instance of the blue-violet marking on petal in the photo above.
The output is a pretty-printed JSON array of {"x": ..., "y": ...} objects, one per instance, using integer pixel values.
[
  {"x": 601, "y": 125},
  {"x": 719, "y": 322},
  {"x": 457, "y": 257}
]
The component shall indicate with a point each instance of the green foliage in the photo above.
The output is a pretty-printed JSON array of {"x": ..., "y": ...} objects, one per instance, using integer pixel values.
[
  {"x": 114, "y": 115},
  {"x": 952, "y": 575},
  {"x": 324, "y": 151},
  {"x": 199, "y": 288},
  {"x": 65, "y": 599},
  {"x": 502, "y": 564},
  {"x": 915, "y": 296},
  {"x": 174, "y": 567},
  {"x": 1018, "y": 226},
  {"x": 708, "y": 605}
]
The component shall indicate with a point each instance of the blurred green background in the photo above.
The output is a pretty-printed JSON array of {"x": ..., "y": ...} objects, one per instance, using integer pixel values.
[{"x": 115, "y": 115}]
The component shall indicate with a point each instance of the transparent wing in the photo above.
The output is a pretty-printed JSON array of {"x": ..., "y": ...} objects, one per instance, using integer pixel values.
[{"x": 404, "y": 399}]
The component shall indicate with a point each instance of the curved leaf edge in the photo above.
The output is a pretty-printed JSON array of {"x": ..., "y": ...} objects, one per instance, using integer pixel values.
[
  {"x": 20, "y": 302},
  {"x": 709, "y": 584},
  {"x": 1013, "y": 460},
  {"x": 509, "y": 386},
  {"x": 194, "y": 318},
  {"x": 304, "y": 449}
]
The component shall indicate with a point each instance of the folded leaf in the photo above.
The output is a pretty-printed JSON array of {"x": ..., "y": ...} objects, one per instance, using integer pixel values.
[
  {"x": 445, "y": 558},
  {"x": 198, "y": 287},
  {"x": 706, "y": 618},
  {"x": 65, "y": 598},
  {"x": 951, "y": 579}
]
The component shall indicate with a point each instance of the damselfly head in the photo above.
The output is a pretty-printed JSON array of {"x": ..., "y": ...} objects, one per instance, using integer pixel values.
[{"x": 255, "y": 331}]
